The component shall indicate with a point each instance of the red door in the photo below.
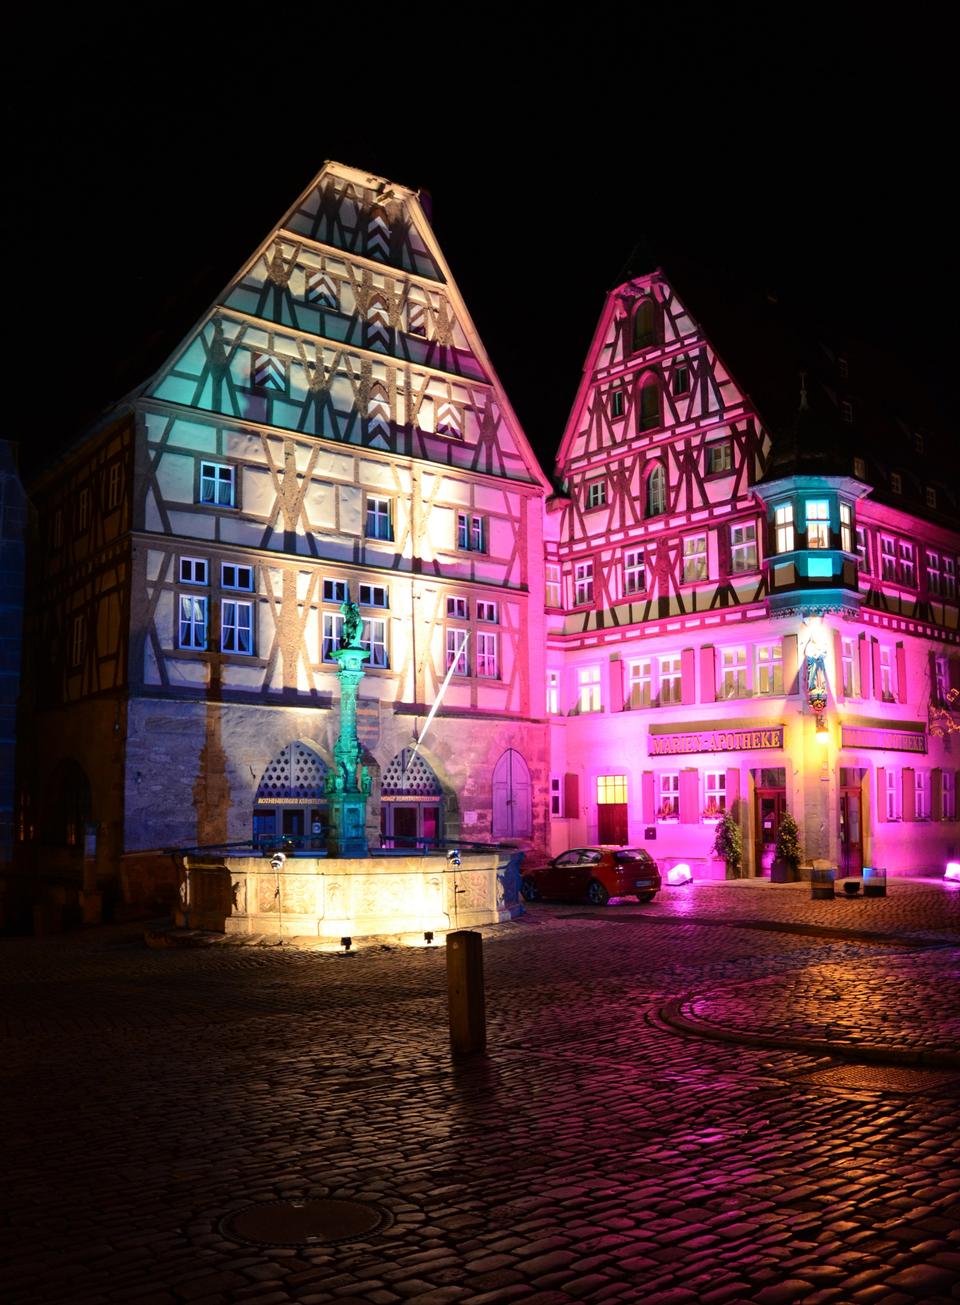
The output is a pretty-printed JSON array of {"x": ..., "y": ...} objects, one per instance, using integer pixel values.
[
  {"x": 612, "y": 823},
  {"x": 851, "y": 838}
]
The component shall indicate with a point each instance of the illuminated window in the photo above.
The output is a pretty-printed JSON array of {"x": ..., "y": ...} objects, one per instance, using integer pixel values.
[
  {"x": 863, "y": 552},
  {"x": 714, "y": 794},
  {"x": 859, "y": 468},
  {"x": 743, "y": 548},
  {"x": 644, "y": 324},
  {"x": 948, "y": 796},
  {"x": 588, "y": 688},
  {"x": 426, "y": 415},
  {"x": 656, "y": 491},
  {"x": 332, "y": 628},
  {"x": 892, "y": 797},
  {"x": 379, "y": 525},
  {"x": 233, "y": 576},
  {"x": 553, "y": 592},
  {"x": 888, "y": 558},
  {"x": 887, "y": 674},
  {"x": 896, "y": 482},
  {"x": 634, "y": 577},
  {"x": 596, "y": 493},
  {"x": 694, "y": 558},
  {"x": 719, "y": 457},
  {"x": 373, "y": 639},
  {"x": 769, "y": 669},
  {"x": 907, "y": 568},
  {"x": 193, "y": 622},
  {"x": 553, "y": 692},
  {"x": 236, "y": 627},
  {"x": 582, "y": 583},
  {"x": 680, "y": 380},
  {"x": 487, "y": 611},
  {"x": 850, "y": 667},
  {"x": 218, "y": 484},
  {"x": 733, "y": 672},
  {"x": 783, "y": 522},
  {"x": 648, "y": 411},
  {"x": 611, "y": 790},
  {"x": 457, "y": 651},
  {"x": 193, "y": 571},
  {"x": 949, "y": 578},
  {"x": 846, "y": 527},
  {"x": 616, "y": 403},
  {"x": 457, "y": 607},
  {"x": 670, "y": 689},
  {"x": 818, "y": 523},
  {"x": 374, "y": 596},
  {"x": 471, "y": 532},
  {"x": 488, "y": 667},
  {"x": 921, "y": 790},
  {"x": 933, "y": 574},
  {"x": 669, "y": 805},
  {"x": 335, "y": 591},
  {"x": 640, "y": 682}
]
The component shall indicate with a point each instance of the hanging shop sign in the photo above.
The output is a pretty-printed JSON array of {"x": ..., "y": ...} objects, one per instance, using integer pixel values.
[
  {"x": 860, "y": 736},
  {"x": 668, "y": 745}
]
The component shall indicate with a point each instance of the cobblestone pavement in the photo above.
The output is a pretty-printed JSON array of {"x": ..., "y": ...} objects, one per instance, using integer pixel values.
[{"x": 595, "y": 1154}]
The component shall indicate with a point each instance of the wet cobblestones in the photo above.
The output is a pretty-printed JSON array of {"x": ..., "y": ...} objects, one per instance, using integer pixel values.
[{"x": 594, "y": 1154}]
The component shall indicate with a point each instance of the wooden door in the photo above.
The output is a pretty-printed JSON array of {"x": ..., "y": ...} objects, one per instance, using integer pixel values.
[
  {"x": 771, "y": 804},
  {"x": 851, "y": 834}
]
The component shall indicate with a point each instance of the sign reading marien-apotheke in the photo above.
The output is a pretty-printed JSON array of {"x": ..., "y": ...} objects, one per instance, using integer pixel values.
[
  {"x": 860, "y": 736},
  {"x": 661, "y": 745}
]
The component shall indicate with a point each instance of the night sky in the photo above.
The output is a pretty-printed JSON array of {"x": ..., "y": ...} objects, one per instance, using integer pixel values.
[{"x": 146, "y": 161}]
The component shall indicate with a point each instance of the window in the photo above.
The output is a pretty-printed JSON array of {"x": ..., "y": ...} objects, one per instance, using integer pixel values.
[
  {"x": 892, "y": 797},
  {"x": 941, "y": 678},
  {"x": 449, "y": 419},
  {"x": 818, "y": 523},
  {"x": 487, "y": 611},
  {"x": 267, "y": 372},
  {"x": 648, "y": 412},
  {"x": 743, "y": 548},
  {"x": 374, "y": 596},
  {"x": 921, "y": 791},
  {"x": 669, "y": 807},
  {"x": 596, "y": 493},
  {"x": 416, "y": 318},
  {"x": 193, "y": 571},
  {"x": 335, "y": 591},
  {"x": 78, "y": 637},
  {"x": 888, "y": 558},
  {"x": 556, "y": 795},
  {"x": 656, "y": 491},
  {"x": 611, "y": 790},
  {"x": 714, "y": 794},
  {"x": 457, "y": 651},
  {"x": 553, "y": 692},
  {"x": 680, "y": 380},
  {"x": 887, "y": 674},
  {"x": 582, "y": 583},
  {"x": 846, "y": 527},
  {"x": 236, "y": 626},
  {"x": 733, "y": 672},
  {"x": 850, "y": 668},
  {"x": 114, "y": 475},
  {"x": 859, "y": 468},
  {"x": 719, "y": 457},
  {"x": 640, "y": 682},
  {"x": 332, "y": 634},
  {"x": 588, "y": 688},
  {"x": 769, "y": 669},
  {"x": 457, "y": 608},
  {"x": 783, "y": 524},
  {"x": 471, "y": 532},
  {"x": 83, "y": 509},
  {"x": 321, "y": 289},
  {"x": 949, "y": 577},
  {"x": 379, "y": 525},
  {"x": 553, "y": 598},
  {"x": 930, "y": 494},
  {"x": 694, "y": 558},
  {"x": 918, "y": 442},
  {"x": 616, "y": 403},
  {"x": 634, "y": 578},
  {"x": 863, "y": 552},
  {"x": 373, "y": 639},
  {"x": 218, "y": 484},
  {"x": 487, "y": 665},
  {"x": 670, "y": 690},
  {"x": 644, "y": 324},
  {"x": 933, "y": 574},
  {"x": 948, "y": 796},
  {"x": 193, "y": 622},
  {"x": 896, "y": 483},
  {"x": 843, "y": 367},
  {"x": 846, "y": 411},
  {"x": 907, "y": 568},
  {"x": 233, "y": 576}
]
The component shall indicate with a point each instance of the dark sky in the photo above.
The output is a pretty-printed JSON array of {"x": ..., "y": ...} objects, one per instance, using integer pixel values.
[{"x": 148, "y": 155}]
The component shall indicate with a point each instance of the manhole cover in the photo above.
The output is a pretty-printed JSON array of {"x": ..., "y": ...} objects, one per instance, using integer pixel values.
[
  {"x": 299, "y": 1223},
  {"x": 881, "y": 1078}
]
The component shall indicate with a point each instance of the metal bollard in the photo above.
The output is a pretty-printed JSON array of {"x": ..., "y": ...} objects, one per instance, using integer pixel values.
[
  {"x": 822, "y": 884},
  {"x": 468, "y": 1024},
  {"x": 874, "y": 882}
]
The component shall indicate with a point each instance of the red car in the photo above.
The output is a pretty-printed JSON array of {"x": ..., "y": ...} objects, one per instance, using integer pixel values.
[{"x": 594, "y": 874}]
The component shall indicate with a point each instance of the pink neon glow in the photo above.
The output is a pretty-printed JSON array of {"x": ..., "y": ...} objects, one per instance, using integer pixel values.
[
  {"x": 952, "y": 872},
  {"x": 681, "y": 874}
]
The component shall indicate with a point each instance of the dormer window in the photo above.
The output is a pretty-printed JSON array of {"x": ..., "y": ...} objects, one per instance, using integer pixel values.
[
  {"x": 648, "y": 412},
  {"x": 645, "y": 324},
  {"x": 859, "y": 468},
  {"x": 784, "y": 527},
  {"x": 846, "y": 527},
  {"x": 818, "y": 523}
]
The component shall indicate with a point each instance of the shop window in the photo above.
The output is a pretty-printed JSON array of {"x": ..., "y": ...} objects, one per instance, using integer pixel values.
[
  {"x": 668, "y": 807},
  {"x": 694, "y": 558},
  {"x": 634, "y": 577},
  {"x": 488, "y": 666},
  {"x": 670, "y": 688},
  {"x": 218, "y": 484},
  {"x": 769, "y": 670},
  {"x": 719, "y": 457},
  {"x": 640, "y": 682},
  {"x": 373, "y": 639},
  {"x": 596, "y": 493},
  {"x": 818, "y": 523},
  {"x": 850, "y": 667},
  {"x": 553, "y": 692},
  {"x": 457, "y": 651},
  {"x": 733, "y": 673},
  {"x": 379, "y": 518},
  {"x": 332, "y": 629},
  {"x": 553, "y": 591},
  {"x": 233, "y": 576},
  {"x": 921, "y": 789},
  {"x": 236, "y": 627},
  {"x": 192, "y": 623},
  {"x": 582, "y": 584},
  {"x": 588, "y": 689},
  {"x": 714, "y": 794},
  {"x": 193, "y": 571},
  {"x": 743, "y": 548},
  {"x": 892, "y": 797},
  {"x": 846, "y": 527},
  {"x": 784, "y": 527}
]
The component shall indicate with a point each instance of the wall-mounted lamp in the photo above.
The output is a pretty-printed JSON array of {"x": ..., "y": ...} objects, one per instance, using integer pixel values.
[
  {"x": 823, "y": 734},
  {"x": 428, "y": 936},
  {"x": 952, "y": 872},
  {"x": 346, "y": 943}
]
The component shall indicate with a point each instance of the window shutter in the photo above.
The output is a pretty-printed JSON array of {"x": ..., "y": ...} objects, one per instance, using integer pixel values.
[
  {"x": 932, "y": 659},
  {"x": 837, "y": 666},
  {"x": 616, "y": 683},
  {"x": 733, "y": 789},
  {"x": 881, "y": 812},
  {"x": 790, "y": 685},
  {"x": 571, "y": 794},
  {"x": 688, "y": 684},
  {"x": 901, "y": 673},
  {"x": 936, "y": 793},
  {"x": 689, "y": 797},
  {"x": 646, "y": 790},
  {"x": 864, "y": 666},
  {"x": 953, "y": 666},
  {"x": 909, "y": 809},
  {"x": 877, "y": 679},
  {"x": 708, "y": 674}
]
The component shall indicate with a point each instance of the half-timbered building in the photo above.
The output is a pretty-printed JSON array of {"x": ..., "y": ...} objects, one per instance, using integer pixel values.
[{"x": 733, "y": 528}]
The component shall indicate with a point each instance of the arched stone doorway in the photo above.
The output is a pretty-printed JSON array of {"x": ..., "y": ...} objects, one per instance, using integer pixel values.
[
  {"x": 290, "y": 801},
  {"x": 411, "y": 810},
  {"x": 512, "y": 805}
]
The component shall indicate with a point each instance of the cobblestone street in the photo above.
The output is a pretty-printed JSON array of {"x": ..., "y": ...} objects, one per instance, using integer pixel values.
[{"x": 732, "y": 1094}]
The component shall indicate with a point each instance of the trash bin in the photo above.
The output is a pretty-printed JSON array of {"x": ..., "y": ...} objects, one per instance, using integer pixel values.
[
  {"x": 823, "y": 883},
  {"x": 874, "y": 882}
]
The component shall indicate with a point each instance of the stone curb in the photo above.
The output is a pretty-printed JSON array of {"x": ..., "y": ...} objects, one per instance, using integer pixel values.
[{"x": 871, "y": 1053}]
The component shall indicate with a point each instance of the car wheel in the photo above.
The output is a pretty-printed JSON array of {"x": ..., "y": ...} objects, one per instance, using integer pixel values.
[
  {"x": 597, "y": 895},
  {"x": 645, "y": 897},
  {"x": 529, "y": 890}
]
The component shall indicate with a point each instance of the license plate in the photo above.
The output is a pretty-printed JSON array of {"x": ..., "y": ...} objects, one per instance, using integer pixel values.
[{"x": 643, "y": 883}]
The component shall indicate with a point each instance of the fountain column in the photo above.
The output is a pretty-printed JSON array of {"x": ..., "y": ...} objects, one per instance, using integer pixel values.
[{"x": 348, "y": 784}]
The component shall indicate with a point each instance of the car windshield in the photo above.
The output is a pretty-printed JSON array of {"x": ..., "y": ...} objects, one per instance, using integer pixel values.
[{"x": 632, "y": 854}]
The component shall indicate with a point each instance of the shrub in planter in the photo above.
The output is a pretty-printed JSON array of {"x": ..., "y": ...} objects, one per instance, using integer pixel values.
[
  {"x": 787, "y": 854},
  {"x": 728, "y": 845}
]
